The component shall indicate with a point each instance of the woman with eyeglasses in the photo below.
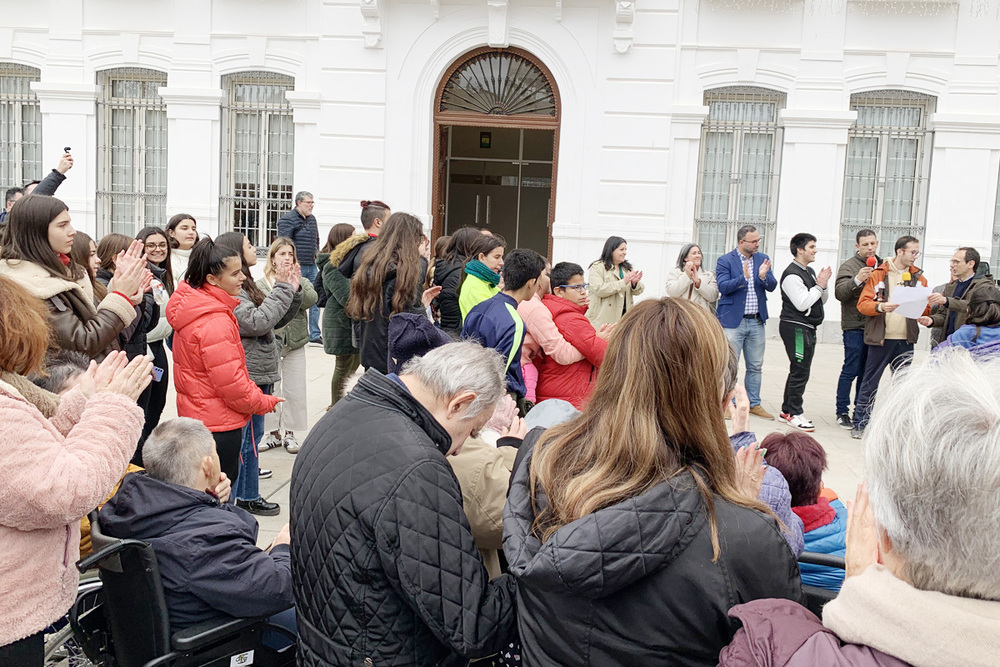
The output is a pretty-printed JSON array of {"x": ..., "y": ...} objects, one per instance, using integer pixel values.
[
  {"x": 688, "y": 280},
  {"x": 613, "y": 283},
  {"x": 568, "y": 306},
  {"x": 158, "y": 253}
]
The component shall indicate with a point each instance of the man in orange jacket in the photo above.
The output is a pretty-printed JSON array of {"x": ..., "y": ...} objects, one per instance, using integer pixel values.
[{"x": 889, "y": 337}]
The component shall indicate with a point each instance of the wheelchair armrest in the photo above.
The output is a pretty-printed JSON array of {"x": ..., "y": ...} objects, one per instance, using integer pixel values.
[
  {"x": 210, "y": 631},
  {"x": 813, "y": 558},
  {"x": 107, "y": 552}
]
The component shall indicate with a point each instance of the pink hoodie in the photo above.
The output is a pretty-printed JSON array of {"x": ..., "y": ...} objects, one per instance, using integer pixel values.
[
  {"x": 541, "y": 335},
  {"x": 55, "y": 471}
]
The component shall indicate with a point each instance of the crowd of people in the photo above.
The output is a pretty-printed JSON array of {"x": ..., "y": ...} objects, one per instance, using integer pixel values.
[{"x": 534, "y": 468}]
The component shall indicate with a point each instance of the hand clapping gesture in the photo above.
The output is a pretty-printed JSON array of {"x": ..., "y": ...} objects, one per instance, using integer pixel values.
[
  {"x": 823, "y": 279},
  {"x": 765, "y": 266}
]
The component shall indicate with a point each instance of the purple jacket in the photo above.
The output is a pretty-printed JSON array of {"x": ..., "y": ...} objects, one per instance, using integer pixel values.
[
  {"x": 781, "y": 633},
  {"x": 775, "y": 494}
]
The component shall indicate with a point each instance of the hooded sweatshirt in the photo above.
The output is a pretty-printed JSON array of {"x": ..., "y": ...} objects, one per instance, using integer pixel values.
[
  {"x": 206, "y": 551},
  {"x": 210, "y": 371}
]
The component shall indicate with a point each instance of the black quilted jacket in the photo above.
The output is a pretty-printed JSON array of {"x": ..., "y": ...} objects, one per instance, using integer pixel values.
[
  {"x": 634, "y": 583},
  {"x": 384, "y": 566}
]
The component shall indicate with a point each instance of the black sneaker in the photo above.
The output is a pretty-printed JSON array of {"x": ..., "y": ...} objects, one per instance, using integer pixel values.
[
  {"x": 844, "y": 421},
  {"x": 264, "y": 473},
  {"x": 260, "y": 507}
]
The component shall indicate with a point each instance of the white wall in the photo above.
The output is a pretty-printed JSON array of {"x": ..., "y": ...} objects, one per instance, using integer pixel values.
[{"x": 631, "y": 122}]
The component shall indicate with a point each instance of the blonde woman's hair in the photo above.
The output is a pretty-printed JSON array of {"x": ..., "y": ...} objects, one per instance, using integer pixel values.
[
  {"x": 277, "y": 245},
  {"x": 656, "y": 412}
]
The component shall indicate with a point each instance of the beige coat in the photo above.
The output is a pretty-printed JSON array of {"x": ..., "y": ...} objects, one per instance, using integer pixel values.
[
  {"x": 680, "y": 286},
  {"x": 608, "y": 294},
  {"x": 483, "y": 472}
]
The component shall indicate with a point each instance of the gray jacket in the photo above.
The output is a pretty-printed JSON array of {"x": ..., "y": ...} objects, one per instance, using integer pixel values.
[{"x": 257, "y": 325}]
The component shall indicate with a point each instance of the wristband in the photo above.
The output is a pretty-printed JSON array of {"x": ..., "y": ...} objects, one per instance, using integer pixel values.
[{"x": 122, "y": 295}]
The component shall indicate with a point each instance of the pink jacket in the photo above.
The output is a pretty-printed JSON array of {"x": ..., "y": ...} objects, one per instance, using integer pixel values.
[
  {"x": 541, "y": 335},
  {"x": 55, "y": 471}
]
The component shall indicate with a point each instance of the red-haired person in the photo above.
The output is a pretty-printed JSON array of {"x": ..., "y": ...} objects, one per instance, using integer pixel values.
[{"x": 802, "y": 460}]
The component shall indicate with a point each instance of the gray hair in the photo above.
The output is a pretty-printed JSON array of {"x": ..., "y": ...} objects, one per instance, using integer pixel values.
[
  {"x": 459, "y": 367},
  {"x": 932, "y": 453},
  {"x": 682, "y": 258},
  {"x": 303, "y": 195},
  {"x": 742, "y": 232},
  {"x": 174, "y": 450}
]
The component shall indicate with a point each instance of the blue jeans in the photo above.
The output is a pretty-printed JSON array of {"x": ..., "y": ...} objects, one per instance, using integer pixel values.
[
  {"x": 309, "y": 271},
  {"x": 855, "y": 355},
  {"x": 247, "y": 486},
  {"x": 893, "y": 354},
  {"x": 748, "y": 339}
]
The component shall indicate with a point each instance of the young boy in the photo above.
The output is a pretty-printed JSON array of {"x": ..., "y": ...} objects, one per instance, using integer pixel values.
[{"x": 495, "y": 322}]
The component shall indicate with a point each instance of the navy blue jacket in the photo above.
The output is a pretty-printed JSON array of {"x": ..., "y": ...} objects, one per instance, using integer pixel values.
[
  {"x": 303, "y": 232},
  {"x": 733, "y": 287},
  {"x": 207, "y": 551},
  {"x": 492, "y": 323}
]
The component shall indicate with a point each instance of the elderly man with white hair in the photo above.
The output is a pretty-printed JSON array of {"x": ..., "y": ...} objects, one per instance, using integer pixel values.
[
  {"x": 385, "y": 567},
  {"x": 923, "y": 540},
  {"x": 206, "y": 550}
]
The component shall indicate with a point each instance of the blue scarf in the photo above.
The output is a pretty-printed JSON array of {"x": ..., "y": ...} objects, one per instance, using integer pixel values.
[{"x": 476, "y": 268}]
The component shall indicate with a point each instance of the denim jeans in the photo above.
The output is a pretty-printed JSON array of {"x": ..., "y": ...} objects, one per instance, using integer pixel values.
[
  {"x": 309, "y": 271},
  {"x": 892, "y": 354},
  {"x": 855, "y": 354},
  {"x": 748, "y": 339},
  {"x": 247, "y": 486}
]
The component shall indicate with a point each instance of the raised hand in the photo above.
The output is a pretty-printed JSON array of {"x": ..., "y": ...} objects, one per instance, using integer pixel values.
[
  {"x": 740, "y": 410},
  {"x": 65, "y": 163},
  {"x": 747, "y": 263},
  {"x": 223, "y": 489},
  {"x": 295, "y": 273},
  {"x": 765, "y": 266},
  {"x": 823, "y": 279},
  {"x": 429, "y": 295},
  {"x": 503, "y": 413},
  {"x": 863, "y": 274},
  {"x": 861, "y": 540},
  {"x": 517, "y": 429},
  {"x": 750, "y": 470},
  {"x": 605, "y": 331},
  {"x": 133, "y": 379}
]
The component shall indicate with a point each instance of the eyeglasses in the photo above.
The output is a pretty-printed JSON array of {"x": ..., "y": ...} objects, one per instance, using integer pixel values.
[
  {"x": 579, "y": 287},
  {"x": 156, "y": 246}
]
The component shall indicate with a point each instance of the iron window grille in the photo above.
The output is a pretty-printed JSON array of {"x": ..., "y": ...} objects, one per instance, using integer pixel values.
[
  {"x": 258, "y": 149},
  {"x": 739, "y": 168},
  {"x": 131, "y": 150},
  {"x": 20, "y": 126},
  {"x": 888, "y": 167}
]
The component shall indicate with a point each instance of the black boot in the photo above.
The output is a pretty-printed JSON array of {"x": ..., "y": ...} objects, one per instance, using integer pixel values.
[{"x": 259, "y": 507}]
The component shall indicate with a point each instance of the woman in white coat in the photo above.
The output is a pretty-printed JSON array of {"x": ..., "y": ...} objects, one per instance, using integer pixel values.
[{"x": 688, "y": 280}]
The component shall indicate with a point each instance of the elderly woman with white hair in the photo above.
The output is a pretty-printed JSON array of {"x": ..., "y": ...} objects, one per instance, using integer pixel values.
[
  {"x": 386, "y": 570},
  {"x": 923, "y": 552}
]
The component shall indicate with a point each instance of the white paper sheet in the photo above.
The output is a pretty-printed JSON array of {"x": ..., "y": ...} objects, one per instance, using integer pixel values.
[{"x": 912, "y": 300}]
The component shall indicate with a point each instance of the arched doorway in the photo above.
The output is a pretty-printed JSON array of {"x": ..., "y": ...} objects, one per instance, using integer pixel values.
[{"x": 496, "y": 139}]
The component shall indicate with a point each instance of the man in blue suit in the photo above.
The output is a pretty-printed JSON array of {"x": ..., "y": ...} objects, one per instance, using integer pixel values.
[{"x": 744, "y": 277}]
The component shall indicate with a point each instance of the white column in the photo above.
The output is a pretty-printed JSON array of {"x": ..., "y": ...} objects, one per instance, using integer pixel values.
[
  {"x": 305, "y": 116},
  {"x": 68, "y": 111},
  {"x": 193, "y": 169},
  {"x": 811, "y": 193}
]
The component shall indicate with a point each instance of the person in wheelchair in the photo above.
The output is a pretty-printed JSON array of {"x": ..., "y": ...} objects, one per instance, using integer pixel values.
[{"x": 206, "y": 548}]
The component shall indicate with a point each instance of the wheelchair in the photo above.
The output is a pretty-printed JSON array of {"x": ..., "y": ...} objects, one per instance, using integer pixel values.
[
  {"x": 814, "y": 598},
  {"x": 124, "y": 622}
]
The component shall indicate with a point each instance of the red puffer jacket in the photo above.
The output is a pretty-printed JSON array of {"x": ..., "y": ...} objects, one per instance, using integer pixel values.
[
  {"x": 210, "y": 370},
  {"x": 573, "y": 382}
]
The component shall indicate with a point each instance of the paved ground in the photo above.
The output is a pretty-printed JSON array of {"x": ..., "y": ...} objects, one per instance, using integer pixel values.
[{"x": 843, "y": 453}]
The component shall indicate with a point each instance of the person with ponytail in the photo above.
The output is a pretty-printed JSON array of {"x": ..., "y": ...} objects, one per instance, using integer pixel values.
[
  {"x": 634, "y": 520},
  {"x": 388, "y": 281},
  {"x": 258, "y": 315},
  {"x": 449, "y": 271},
  {"x": 37, "y": 256},
  {"x": 210, "y": 370},
  {"x": 158, "y": 253},
  {"x": 84, "y": 255},
  {"x": 337, "y": 337},
  {"x": 482, "y": 273}
]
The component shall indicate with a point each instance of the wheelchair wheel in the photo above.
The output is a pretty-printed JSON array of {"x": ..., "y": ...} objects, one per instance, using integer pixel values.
[{"x": 62, "y": 642}]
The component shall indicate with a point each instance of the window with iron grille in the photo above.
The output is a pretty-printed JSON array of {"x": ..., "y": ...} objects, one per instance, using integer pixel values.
[
  {"x": 258, "y": 148},
  {"x": 131, "y": 150},
  {"x": 739, "y": 168},
  {"x": 20, "y": 126},
  {"x": 888, "y": 165}
]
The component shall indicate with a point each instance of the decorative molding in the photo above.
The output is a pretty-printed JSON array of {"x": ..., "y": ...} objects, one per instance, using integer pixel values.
[
  {"x": 497, "y": 30},
  {"x": 624, "y": 17},
  {"x": 68, "y": 98},
  {"x": 435, "y": 8},
  {"x": 371, "y": 12},
  {"x": 817, "y": 119},
  {"x": 192, "y": 103},
  {"x": 961, "y": 122},
  {"x": 559, "y": 10},
  {"x": 305, "y": 106}
]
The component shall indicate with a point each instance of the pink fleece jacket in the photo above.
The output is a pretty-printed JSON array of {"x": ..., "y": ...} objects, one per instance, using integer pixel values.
[
  {"x": 541, "y": 334},
  {"x": 55, "y": 471}
]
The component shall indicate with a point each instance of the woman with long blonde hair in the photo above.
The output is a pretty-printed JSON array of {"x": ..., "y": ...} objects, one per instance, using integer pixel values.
[
  {"x": 632, "y": 529},
  {"x": 291, "y": 415}
]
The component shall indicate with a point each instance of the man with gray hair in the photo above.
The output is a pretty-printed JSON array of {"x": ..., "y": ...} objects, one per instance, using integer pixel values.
[
  {"x": 300, "y": 226},
  {"x": 206, "y": 550},
  {"x": 386, "y": 568}
]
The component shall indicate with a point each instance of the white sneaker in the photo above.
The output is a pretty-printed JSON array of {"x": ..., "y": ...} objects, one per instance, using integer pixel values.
[
  {"x": 272, "y": 441},
  {"x": 292, "y": 445},
  {"x": 797, "y": 421}
]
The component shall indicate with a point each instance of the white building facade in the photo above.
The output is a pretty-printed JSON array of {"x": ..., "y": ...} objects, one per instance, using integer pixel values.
[{"x": 557, "y": 123}]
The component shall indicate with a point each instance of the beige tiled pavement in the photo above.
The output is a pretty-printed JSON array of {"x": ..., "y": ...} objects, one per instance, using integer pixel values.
[{"x": 843, "y": 453}]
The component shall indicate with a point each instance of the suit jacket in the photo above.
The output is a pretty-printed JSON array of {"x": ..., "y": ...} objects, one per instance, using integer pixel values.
[{"x": 733, "y": 287}]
